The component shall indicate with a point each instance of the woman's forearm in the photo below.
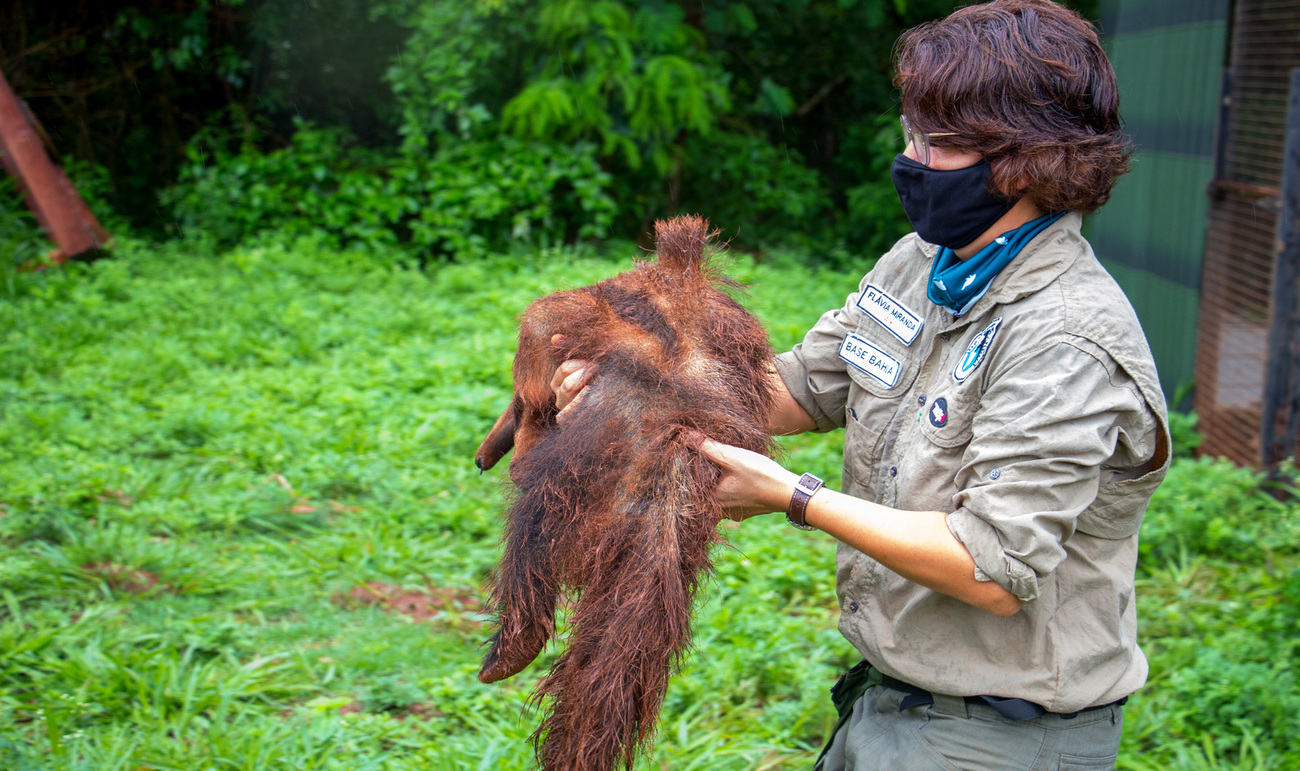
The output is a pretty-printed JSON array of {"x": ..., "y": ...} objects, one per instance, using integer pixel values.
[
  {"x": 787, "y": 417},
  {"x": 915, "y": 544}
]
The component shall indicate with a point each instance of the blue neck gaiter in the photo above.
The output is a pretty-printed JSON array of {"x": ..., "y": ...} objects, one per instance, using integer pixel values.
[{"x": 958, "y": 284}]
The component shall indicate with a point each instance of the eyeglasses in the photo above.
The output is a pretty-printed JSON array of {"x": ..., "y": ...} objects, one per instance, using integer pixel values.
[{"x": 919, "y": 140}]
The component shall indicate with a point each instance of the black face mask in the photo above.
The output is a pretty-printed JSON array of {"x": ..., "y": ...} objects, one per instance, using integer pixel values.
[{"x": 948, "y": 207}]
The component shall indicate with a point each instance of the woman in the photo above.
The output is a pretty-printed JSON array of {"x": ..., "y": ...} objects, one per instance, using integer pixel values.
[{"x": 1004, "y": 426}]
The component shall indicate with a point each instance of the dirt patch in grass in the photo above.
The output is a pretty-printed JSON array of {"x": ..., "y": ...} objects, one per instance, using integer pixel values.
[
  {"x": 420, "y": 711},
  {"x": 115, "y": 496},
  {"x": 121, "y": 578},
  {"x": 429, "y": 603}
]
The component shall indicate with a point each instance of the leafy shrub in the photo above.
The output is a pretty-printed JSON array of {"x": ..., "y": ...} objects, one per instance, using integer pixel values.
[
  {"x": 1182, "y": 429},
  {"x": 688, "y": 108},
  {"x": 873, "y": 219},
  {"x": 1214, "y": 508},
  {"x": 21, "y": 238},
  {"x": 757, "y": 192},
  {"x": 468, "y": 199}
]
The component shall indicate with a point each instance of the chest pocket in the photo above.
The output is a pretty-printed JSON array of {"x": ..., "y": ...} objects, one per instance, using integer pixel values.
[
  {"x": 957, "y": 389},
  {"x": 873, "y": 401},
  {"x": 878, "y": 362},
  {"x": 949, "y": 412}
]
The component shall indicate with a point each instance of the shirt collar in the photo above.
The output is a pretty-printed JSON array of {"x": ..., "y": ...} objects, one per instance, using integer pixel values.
[{"x": 1041, "y": 262}]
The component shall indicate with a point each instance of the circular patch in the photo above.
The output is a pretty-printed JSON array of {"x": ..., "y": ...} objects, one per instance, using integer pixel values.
[{"x": 939, "y": 412}]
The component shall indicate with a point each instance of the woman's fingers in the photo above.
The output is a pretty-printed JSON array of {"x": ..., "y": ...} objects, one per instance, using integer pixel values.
[
  {"x": 575, "y": 381},
  {"x": 751, "y": 483},
  {"x": 716, "y": 452},
  {"x": 564, "y": 414},
  {"x": 568, "y": 381},
  {"x": 563, "y": 372}
]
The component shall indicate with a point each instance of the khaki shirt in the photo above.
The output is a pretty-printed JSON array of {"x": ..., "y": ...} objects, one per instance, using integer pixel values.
[{"x": 1037, "y": 420}]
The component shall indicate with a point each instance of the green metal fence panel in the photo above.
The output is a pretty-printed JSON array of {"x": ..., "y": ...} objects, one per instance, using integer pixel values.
[{"x": 1169, "y": 57}]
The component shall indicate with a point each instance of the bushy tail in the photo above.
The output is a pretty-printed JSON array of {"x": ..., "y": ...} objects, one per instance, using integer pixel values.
[{"x": 632, "y": 623}]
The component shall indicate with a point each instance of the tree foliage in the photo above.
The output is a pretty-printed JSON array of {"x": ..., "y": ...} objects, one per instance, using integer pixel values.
[
  {"x": 466, "y": 199},
  {"x": 774, "y": 117}
]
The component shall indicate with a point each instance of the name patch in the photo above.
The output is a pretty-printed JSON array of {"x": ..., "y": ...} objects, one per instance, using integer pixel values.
[
  {"x": 871, "y": 360},
  {"x": 890, "y": 313},
  {"x": 975, "y": 351}
]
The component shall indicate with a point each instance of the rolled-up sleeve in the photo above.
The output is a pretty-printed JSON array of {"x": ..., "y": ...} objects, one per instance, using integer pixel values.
[
  {"x": 815, "y": 374},
  {"x": 1044, "y": 429}
]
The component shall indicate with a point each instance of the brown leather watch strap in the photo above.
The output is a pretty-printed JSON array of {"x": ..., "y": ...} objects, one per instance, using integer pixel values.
[{"x": 803, "y": 492}]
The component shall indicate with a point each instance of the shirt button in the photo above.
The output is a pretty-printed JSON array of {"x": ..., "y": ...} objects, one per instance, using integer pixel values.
[
  {"x": 853, "y": 414},
  {"x": 920, "y": 400},
  {"x": 997, "y": 472},
  {"x": 853, "y": 607},
  {"x": 945, "y": 337},
  {"x": 893, "y": 471}
]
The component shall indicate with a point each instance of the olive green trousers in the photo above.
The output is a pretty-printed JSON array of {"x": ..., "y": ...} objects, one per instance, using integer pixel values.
[{"x": 953, "y": 734}]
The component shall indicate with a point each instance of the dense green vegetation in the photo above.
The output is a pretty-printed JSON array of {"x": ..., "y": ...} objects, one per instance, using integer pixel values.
[
  {"x": 452, "y": 128},
  {"x": 221, "y": 469}
]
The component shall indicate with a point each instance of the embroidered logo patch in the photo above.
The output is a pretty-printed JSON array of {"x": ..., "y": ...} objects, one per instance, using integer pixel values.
[
  {"x": 974, "y": 355},
  {"x": 939, "y": 413},
  {"x": 890, "y": 313},
  {"x": 871, "y": 360}
]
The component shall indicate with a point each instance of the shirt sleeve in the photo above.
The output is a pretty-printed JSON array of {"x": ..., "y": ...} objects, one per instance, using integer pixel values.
[
  {"x": 1043, "y": 432},
  {"x": 814, "y": 373}
]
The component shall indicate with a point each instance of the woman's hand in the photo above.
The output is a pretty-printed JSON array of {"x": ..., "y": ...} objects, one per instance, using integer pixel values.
[
  {"x": 568, "y": 382},
  {"x": 751, "y": 484}
]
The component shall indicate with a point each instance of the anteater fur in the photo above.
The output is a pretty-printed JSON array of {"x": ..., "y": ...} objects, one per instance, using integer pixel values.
[{"x": 617, "y": 507}]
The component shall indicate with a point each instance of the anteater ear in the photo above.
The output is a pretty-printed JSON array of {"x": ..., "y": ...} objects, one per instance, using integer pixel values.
[{"x": 500, "y": 439}]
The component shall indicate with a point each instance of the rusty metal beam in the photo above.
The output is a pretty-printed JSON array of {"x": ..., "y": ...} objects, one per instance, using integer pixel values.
[{"x": 46, "y": 189}]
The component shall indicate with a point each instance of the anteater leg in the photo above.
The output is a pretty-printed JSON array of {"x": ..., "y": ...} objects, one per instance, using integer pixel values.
[{"x": 524, "y": 592}]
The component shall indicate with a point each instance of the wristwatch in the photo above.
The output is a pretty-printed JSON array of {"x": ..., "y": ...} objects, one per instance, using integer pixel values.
[{"x": 803, "y": 491}]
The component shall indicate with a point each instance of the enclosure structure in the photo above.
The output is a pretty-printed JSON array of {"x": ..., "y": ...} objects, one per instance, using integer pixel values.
[
  {"x": 1248, "y": 386},
  {"x": 1197, "y": 233},
  {"x": 1168, "y": 57},
  {"x": 46, "y": 190}
]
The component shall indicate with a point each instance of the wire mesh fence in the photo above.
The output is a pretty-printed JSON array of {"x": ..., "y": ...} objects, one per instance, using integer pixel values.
[{"x": 1246, "y": 335}]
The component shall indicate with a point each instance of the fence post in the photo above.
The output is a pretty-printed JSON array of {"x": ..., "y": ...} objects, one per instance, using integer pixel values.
[
  {"x": 45, "y": 187},
  {"x": 1282, "y": 389}
]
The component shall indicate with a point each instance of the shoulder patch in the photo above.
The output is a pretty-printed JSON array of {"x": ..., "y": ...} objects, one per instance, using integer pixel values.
[
  {"x": 975, "y": 352},
  {"x": 870, "y": 359},
  {"x": 890, "y": 313}
]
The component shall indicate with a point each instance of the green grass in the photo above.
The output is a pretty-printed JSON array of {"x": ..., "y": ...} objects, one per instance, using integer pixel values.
[{"x": 205, "y": 459}]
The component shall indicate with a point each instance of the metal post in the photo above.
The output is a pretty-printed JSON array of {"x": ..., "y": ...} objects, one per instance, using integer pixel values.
[
  {"x": 1282, "y": 390},
  {"x": 45, "y": 187}
]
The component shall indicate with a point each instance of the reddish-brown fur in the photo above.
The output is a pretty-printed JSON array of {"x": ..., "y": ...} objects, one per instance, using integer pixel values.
[{"x": 617, "y": 506}]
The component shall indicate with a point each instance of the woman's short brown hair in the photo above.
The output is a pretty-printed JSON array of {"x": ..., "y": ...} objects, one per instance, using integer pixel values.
[{"x": 1024, "y": 83}]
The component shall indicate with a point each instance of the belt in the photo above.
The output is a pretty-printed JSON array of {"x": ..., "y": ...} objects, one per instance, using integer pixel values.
[
  {"x": 1011, "y": 709},
  {"x": 852, "y": 684}
]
